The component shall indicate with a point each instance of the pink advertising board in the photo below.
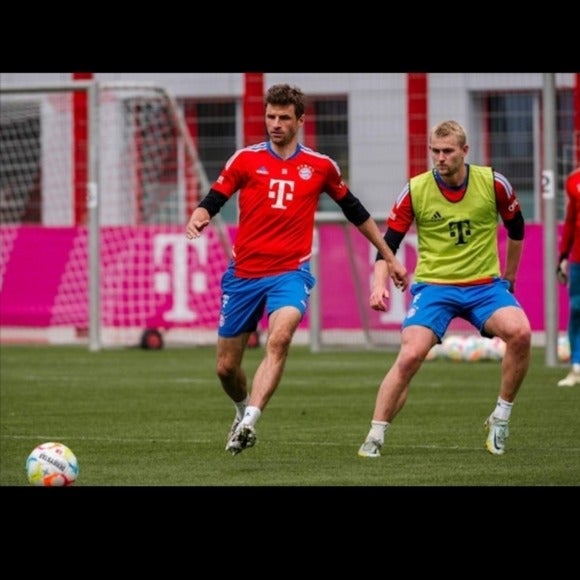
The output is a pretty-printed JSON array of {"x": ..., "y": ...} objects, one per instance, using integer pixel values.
[{"x": 154, "y": 276}]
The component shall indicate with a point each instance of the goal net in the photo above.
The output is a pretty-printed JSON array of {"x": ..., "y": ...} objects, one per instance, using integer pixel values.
[
  {"x": 96, "y": 185},
  {"x": 97, "y": 182},
  {"x": 340, "y": 316}
]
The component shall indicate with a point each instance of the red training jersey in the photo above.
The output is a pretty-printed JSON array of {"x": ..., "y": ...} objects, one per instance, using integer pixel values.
[
  {"x": 570, "y": 240},
  {"x": 402, "y": 216},
  {"x": 278, "y": 199}
]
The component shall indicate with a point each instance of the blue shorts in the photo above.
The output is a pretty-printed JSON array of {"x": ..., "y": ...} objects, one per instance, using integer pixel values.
[
  {"x": 574, "y": 285},
  {"x": 436, "y": 305},
  {"x": 245, "y": 299}
]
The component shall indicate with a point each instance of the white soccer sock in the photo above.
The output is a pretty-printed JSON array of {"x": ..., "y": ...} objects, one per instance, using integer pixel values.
[
  {"x": 378, "y": 430},
  {"x": 241, "y": 407},
  {"x": 251, "y": 415},
  {"x": 503, "y": 409},
  {"x": 576, "y": 368}
]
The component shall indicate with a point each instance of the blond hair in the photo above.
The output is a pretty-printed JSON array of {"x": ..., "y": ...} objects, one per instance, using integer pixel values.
[{"x": 448, "y": 128}]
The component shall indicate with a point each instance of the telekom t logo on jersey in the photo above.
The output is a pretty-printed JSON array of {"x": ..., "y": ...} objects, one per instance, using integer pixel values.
[
  {"x": 281, "y": 190},
  {"x": 461, "y": 230}
]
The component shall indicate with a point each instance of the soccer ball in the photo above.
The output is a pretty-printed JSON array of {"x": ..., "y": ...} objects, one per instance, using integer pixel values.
[
  {"x": 494, "y": 348},
  {"x": 435, "y": 352},
  {"x": 473, "y": 349},
  {"x": 563, "y": 348},
  {"x": 453, "y": 347},
  {"x": 52, "y": 465}
]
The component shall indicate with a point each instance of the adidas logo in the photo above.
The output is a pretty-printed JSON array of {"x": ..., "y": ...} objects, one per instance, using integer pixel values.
[{"x": 436, "y": 217}]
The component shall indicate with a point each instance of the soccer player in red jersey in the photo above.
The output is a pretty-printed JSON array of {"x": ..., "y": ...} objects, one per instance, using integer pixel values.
[
  {"x": 568, "y": 272},
  {"x": 455, "y": 208},
  {"x": 280, "y": 182}
]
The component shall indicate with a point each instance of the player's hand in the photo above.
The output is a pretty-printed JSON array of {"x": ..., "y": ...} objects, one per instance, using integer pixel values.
[
  {"x": 195, "y": 227},
  {"x": 511, "y": 282},
  {"x": 562, "y": 271},
  {"x": 378, "y": 298},
  {"x": 399, "y": 275}
]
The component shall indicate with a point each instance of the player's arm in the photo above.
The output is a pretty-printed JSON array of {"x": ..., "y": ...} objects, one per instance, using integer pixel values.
[
  {"x": 230, "y": 180},
  {"x": 513, "y": 219},
  {"x": 379, "y": 291},
  {"x": 400, "y": 219},
  {"x": 358, "y": 215},
  {"x": 515, "y": 247},
  {"x": 567, "y": 239},
  {"x": 569, "y": 226},
  {"x": 393, "y": 239},
  {"x": 209, "y": 206}
]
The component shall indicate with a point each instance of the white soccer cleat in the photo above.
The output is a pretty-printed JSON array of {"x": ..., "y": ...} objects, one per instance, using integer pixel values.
[
  {"x": 570, "y": 380},
  {"x": 370, "y": 448},
  {"x": 497, "y": 436},
  {"x": 244, "y": 436}
]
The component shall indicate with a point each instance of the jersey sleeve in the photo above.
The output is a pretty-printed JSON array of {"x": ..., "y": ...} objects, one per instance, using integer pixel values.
[
  {"x": 573, "y": 185},
  {"x": 232, "y": 176},
  {"x": 569, "y": 245},
  {"x": 401, "y": 215},
  {"x": 508, "y": 204},
  {"x": 335, "y": 186}
]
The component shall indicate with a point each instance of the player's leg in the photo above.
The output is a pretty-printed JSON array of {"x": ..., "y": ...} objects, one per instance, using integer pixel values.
[
  {"x": 498, "y": 313},
  {"x": 573, "y": 377},
  {"x": 229, "y": 355},
  {"x": 233, "y": 379},
  {"x": 232, "y": 376},
  {"x": 511, "y": 324},
  {"x": 416, "y": 342},
  {"x": 239, "y": 317},
  {"x": 425, "y": 324},
  {"x": 286, "y": 302},
  {"x": 282, "y": 325}
]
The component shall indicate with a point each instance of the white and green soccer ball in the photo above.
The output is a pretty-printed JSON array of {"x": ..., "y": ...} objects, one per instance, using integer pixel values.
[{"x": 52, "y": 464}]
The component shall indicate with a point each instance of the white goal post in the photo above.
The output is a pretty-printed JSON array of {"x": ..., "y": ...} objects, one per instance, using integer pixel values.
[
  {"x": 96, "y": 195},
  {"x": 134, "y": 157},
  {"x": 342, "y": 263}
]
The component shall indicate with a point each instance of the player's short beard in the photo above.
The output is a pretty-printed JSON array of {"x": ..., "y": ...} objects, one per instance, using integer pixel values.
[{"x": 285, "y": 138}]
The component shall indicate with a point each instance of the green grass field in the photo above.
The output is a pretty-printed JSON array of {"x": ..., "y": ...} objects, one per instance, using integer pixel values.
[{"x": 159, "y": 418}]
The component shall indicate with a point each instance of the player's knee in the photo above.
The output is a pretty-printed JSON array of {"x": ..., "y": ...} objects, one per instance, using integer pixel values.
[
  {"x": 226, "y": 369},
  {"x": 410, "y": 359},
  {"x": 521, "y": 338},
  {"x": 280, "y": 339}
]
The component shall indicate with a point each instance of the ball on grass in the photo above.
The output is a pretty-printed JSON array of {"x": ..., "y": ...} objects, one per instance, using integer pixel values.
[
  {"x": 473, "y": 349},
  {"x": 52, "y": 464},
  {"x": 563, "y": 349},
  {"x": 453, "y": 347}
]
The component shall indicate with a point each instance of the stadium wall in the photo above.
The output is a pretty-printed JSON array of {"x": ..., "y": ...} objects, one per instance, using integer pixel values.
[{"x": 377, "y": 102}]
